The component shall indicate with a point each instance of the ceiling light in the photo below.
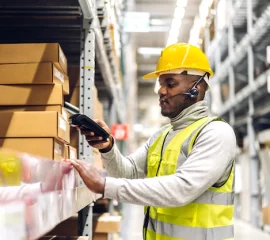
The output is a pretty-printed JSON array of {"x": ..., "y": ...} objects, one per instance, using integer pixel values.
[
  {"x": 175, "y": 25},
  {"x": 200, "y": 21},
  {"x": 179, "y": 12},
  {"x": 149, "y": 51},
  {"x": 181, "y": 3},
  {"x": 160, "y": 22},
  {"x": 137, "y": 22}
]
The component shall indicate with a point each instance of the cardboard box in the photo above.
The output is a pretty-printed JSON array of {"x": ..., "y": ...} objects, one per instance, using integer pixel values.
[
  {"x": 31, "y": 95},
  {"x": 74, "y": 97},
  {"x": 70, "y": 152},
  {"x": 33, "y": 53},
  {"x": 74, "y": 138},
  {"x": 100, "y": 236},
  {"x": 49, "y": 148},
  {"x": 66, "y": 88},
  {"x": 105, "y": 223},
  {"x": 34, "y": 124},
  {"x": 97, "y": 161},
  {"x": 266, "y": 215},
  {"x": 74, "y": 76},
  {"x": 54, "y": 108},
  {"x": 98, "y": 110},
  {"x": 31, "y": 73}
]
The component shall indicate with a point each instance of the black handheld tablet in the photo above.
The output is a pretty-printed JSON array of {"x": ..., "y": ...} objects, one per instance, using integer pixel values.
[{"x": 86, "y": 123}]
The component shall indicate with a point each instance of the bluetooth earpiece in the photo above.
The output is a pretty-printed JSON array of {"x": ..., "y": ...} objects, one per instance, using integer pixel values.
[{"x": 194, "y": 91}]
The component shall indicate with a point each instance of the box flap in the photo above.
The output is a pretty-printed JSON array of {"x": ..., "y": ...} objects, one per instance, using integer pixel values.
[
  {"x": 62, "y": 59},
  {"x": 72, "y": 153},
  {"x": 63, "y": 129},
  {"x": 59, "y": 150},
  {"x": 58, "y": 75}
]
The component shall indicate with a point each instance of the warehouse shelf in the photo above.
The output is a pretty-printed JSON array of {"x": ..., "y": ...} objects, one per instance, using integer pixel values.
[
  {"x": 237, "y": 20},
  {"x": 63, "y": 24},
  {"x": 260, "y": 82},
  {"x": 105, "y": 58},
  {"x": 83, "y": 33},
  {"x": 260, "y": 28},
  {"x": 109, "y": 77},
  {"x": 71, "y": 108}
]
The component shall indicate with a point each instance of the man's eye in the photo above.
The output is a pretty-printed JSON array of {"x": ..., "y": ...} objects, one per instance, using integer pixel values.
[{"x": 170, "y": 85}]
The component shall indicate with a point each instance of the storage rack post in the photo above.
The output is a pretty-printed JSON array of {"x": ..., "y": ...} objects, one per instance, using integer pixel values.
[
  {"x": 87, "y": 83},
  {"x": 255, "y": 205},
  {"x": 231, "y": 42}
]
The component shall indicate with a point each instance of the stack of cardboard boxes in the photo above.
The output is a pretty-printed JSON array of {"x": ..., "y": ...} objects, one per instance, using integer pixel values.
[{"x": 33, "y": 82}]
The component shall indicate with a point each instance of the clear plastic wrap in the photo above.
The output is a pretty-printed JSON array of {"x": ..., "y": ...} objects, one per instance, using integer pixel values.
[{"x": 36, "y": 194}]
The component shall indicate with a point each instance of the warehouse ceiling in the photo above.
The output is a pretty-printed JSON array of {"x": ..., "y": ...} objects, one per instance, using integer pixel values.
[{"x": 161, "y": 14}]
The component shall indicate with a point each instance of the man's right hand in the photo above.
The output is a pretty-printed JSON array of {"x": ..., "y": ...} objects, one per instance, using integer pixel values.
[{"x": 96, "y": 141}]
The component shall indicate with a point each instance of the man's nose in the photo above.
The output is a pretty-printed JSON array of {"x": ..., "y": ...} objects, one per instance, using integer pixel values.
[{"x": 162, "y": 90}]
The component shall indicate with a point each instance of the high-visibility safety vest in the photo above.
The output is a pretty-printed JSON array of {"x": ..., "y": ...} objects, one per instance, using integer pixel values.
[{"x": 210, "y": 216}]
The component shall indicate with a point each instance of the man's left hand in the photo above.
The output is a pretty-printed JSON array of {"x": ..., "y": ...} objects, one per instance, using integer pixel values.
[{"x": 90, "y": 175}]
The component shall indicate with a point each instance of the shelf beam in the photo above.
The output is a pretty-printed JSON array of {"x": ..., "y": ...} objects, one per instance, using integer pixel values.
[{"x": 108, "y": 67}]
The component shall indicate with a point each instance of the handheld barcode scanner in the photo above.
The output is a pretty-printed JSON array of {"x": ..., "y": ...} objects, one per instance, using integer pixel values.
[{"x": 86, "y": 123}]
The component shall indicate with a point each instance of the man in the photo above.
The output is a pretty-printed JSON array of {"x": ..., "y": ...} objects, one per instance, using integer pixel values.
[{"x": 189, "y": 164}]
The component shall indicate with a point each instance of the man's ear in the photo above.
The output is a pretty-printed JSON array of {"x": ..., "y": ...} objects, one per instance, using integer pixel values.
[{"x": 202, "y": 87}]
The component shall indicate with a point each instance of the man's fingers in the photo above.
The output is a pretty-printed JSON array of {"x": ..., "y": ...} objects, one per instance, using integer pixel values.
[
  {"x": 66, "y": 167},
  {"x": 85, "y": 165},
  {"x": 96, "y": 138},
  {"x": 77, "y": 164},
  {"x": 88, "y": 133},
  {"x": 97, "y": 144}
]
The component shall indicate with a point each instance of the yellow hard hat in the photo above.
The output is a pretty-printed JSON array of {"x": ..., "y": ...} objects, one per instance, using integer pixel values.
[{"x": 181, "y": 56}]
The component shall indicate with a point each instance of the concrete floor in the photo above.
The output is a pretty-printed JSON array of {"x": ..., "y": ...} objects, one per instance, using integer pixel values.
[{"x": 131, "y": 227}]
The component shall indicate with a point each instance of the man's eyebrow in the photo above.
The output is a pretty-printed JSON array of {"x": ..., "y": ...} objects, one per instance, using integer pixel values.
[{"x": 168, "y": 79}]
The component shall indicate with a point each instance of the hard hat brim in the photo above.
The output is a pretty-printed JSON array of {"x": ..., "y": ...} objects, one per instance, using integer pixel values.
[
  {"x": 156, "y": 74},
  {"x": 151, "y": 75}
]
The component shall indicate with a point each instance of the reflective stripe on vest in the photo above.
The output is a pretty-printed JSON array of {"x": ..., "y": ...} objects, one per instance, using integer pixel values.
[
  {"x": 207, "y": 217},
  {"x": 188, "y": 233}
]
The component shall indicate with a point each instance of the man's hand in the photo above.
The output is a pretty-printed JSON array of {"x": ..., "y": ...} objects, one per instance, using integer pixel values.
[
  {"x": 90, "y": 175},
  {"x": 96, "y": 141}
]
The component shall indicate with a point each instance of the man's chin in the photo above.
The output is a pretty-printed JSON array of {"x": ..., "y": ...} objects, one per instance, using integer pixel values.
[{"x": 165, "y": 113}]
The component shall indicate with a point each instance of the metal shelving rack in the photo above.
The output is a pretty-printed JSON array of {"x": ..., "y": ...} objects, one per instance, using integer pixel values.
[
  {"x": 82, "y": 31},
  {"x": 245, "y": 71}
]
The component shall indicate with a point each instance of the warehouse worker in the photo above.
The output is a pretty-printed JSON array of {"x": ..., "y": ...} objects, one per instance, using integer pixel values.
[{"x": 184, "y": 174}]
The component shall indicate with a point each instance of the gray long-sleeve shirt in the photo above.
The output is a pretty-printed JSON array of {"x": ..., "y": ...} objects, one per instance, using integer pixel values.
[{"x": 208, "y": 164}]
